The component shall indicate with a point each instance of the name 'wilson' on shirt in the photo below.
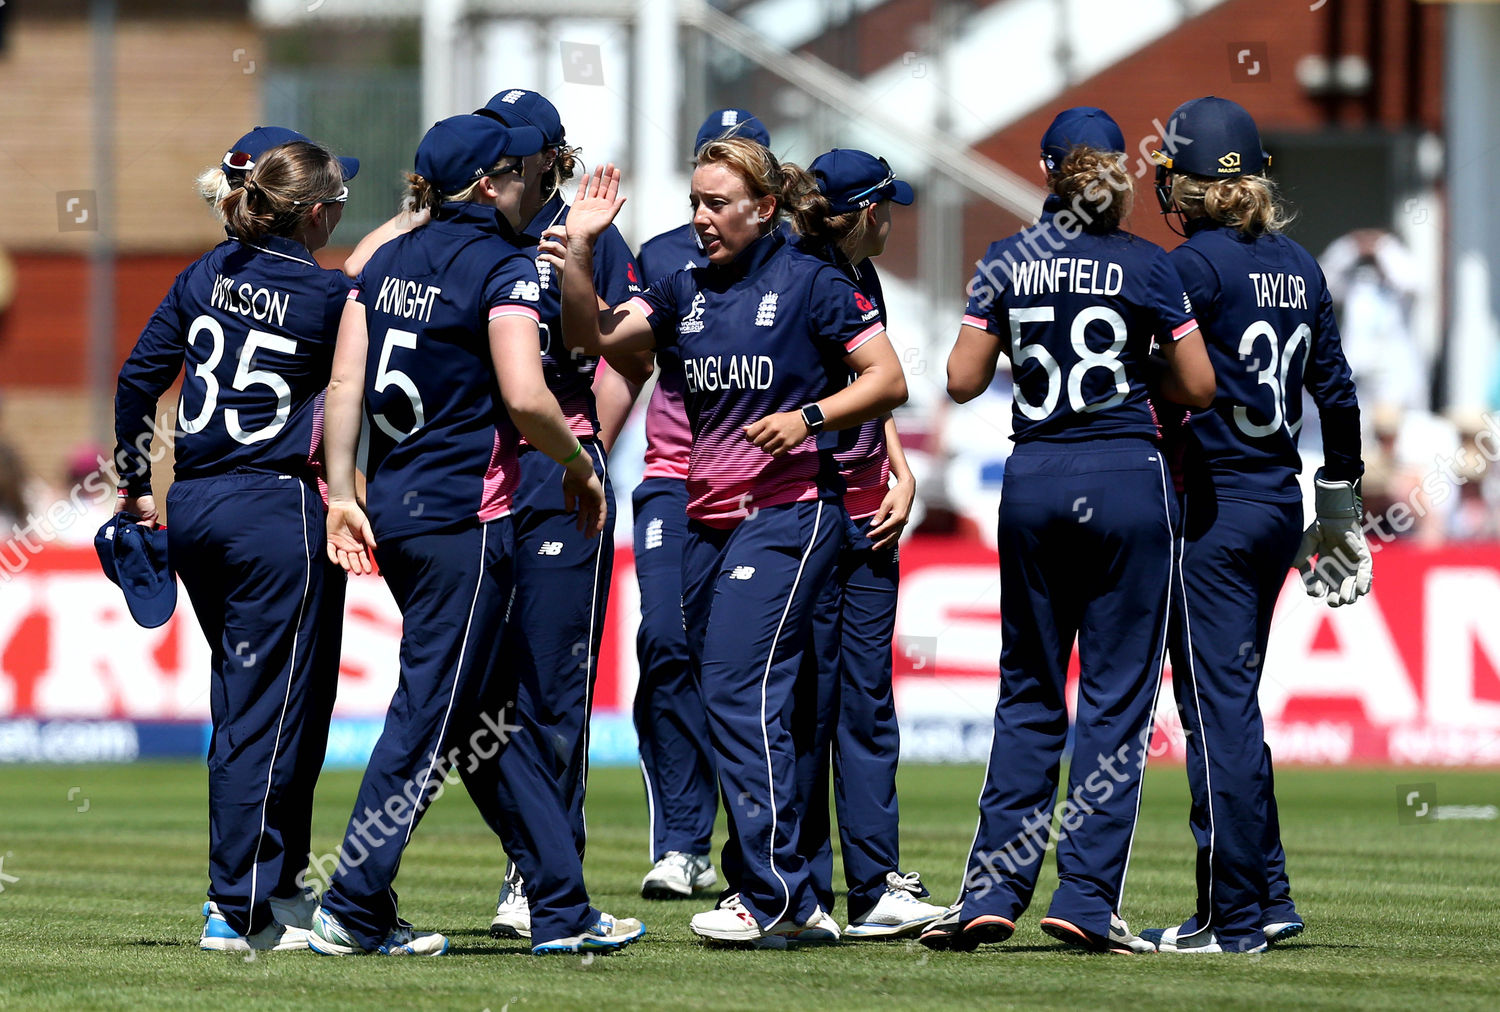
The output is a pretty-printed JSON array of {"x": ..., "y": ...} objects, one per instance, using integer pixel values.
[
  {"x": 1067, "y": 274},
  {"x": 729, "y": 372}
]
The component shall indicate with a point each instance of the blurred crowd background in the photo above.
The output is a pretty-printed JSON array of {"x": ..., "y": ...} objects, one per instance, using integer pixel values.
[{"x": 1380, "y": 115}]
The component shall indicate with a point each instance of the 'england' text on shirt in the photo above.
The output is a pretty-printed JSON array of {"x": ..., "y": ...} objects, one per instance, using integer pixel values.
[
  {"x": 247, "y": 300},
  {"x": 410, "y": 299},
  {"x": 1067, "y": 274},
  {"x": 729, "y": 372}
]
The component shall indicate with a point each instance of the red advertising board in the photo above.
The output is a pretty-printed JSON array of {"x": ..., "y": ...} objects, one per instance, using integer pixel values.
[{"x": 1410, "y": 675}]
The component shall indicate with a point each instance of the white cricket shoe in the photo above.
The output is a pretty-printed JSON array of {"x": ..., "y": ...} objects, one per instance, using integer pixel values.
[
  {"x": 218, "y": 936},
  {"x": 819, "y": 929},
  {"x": 329, "y": 937},
  {"x": 727, "y": 922},
  {"x": 513, "y": 912},
  {"x": 1201, "y": 942},
  {"x": 1280, "y": 931},
  {"x": 679, "y": 875},
  {"x": 296, "y": 911},
  {"x": 899, "y": 911},
  {"x": 606, "y": 934}
]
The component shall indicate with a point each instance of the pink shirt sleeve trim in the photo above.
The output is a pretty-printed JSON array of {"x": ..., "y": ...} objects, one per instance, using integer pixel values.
[
  {"x": 974, "y": 321},
  {"x": 642, "y": 305},
  {"x": 531, "y": 314},
  {"x": 1184, "y": 330},
  {"x": 873, "y": 330}
]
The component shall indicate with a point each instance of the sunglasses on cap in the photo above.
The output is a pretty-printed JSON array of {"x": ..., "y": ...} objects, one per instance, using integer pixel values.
[
  {"x": 863, "y": 198},
  {"x": 341, "y": 198}
]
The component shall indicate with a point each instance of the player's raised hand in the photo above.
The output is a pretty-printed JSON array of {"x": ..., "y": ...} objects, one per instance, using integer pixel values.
[
  {"x": 350, "y": 538},
  {"x": 597, "y": 203}
]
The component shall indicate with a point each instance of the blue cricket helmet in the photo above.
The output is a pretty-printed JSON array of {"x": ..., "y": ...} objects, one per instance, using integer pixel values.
[{"x": 1212, "y": 137}]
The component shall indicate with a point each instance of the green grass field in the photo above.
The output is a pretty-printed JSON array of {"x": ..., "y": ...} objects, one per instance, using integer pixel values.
[{"x": 100, "y": 910}]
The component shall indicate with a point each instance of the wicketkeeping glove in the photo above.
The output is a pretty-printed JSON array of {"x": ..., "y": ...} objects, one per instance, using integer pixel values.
[{"x": 1343, "y": 568}]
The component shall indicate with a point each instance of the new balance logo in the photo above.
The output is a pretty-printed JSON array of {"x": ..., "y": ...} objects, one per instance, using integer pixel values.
[
  {"x": 653, "y": 534},
  {"x": 742, "y": 573},
  {"x": 550, "y": 548},
  {"x": 527, "y": 291},
  {"x": 765, "y": 313},
  {"x": 511, "y": 97}
]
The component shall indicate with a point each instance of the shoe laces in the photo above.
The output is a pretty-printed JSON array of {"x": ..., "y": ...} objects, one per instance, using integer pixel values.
[
  {"x": 681, "y": 859},
  {"x": 908, "y": 886}
]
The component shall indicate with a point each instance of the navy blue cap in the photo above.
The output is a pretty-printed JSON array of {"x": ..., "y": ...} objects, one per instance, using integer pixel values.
[
  {"x": 1081, "y": 126},
  {"x": 240, "y": 159},
  {"x": 135, "y": 560},
  {"x": 1212, "y": 137},
  {"x": 852, "y": 180},
  {"x": 517, "y": 107},
  {"x": 723, "y": 123},
  {"x": 458, "y": 150}
]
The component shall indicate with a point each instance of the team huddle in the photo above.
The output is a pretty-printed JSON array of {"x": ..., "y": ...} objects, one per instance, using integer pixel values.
[{"x": 395, "y": 416}]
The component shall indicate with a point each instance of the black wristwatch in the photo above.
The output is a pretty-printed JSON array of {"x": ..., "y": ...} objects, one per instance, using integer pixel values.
[{"x": 813, "y": 416}]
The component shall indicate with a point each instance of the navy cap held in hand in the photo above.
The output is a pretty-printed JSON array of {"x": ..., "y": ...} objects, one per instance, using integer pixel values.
[{"x": 135, "y": 559}]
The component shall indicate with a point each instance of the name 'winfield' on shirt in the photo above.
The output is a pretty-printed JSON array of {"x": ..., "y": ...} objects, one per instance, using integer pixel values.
[{"x": 1067, "y": 274}]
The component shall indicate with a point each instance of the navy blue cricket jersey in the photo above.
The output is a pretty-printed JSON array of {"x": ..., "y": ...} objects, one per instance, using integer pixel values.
[
  {"x": 570, "y": 377},
  {"x": 767, "y": 332},
  {"x": 1077, "y": 324},
  {"x": 442, "y": 447},
  {"x": 255, "y": 324},
  {"x": 1268, "y": 324},
  {"x": 861, "y": 454},
  {"x": 676, "y": 250},
  {"x": 669, "y": 440}
]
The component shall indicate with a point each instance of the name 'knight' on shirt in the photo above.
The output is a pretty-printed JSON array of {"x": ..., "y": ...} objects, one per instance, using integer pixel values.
[
  {"x": 729, "y": 372},
  {"x": 409, "y": 299},
  {"x": 1067, "y": 274}
]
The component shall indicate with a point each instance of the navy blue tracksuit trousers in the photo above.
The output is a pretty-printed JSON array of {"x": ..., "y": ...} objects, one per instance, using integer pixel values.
[
  {"x": 676, "y": 759},
  {"x": 249, "y": 546},
  {"x": 562, "y": 587},
  {"x": 454, "y": 709},
  {"x": 852, "y": 726},
  {"x": 1235, "y": 559},
  {"x": 748, "y": 598},
  {"x": 1086, "y": 551}
]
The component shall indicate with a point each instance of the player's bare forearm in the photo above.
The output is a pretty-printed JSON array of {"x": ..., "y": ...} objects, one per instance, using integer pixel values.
[{"x": 345, "y": 399}]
